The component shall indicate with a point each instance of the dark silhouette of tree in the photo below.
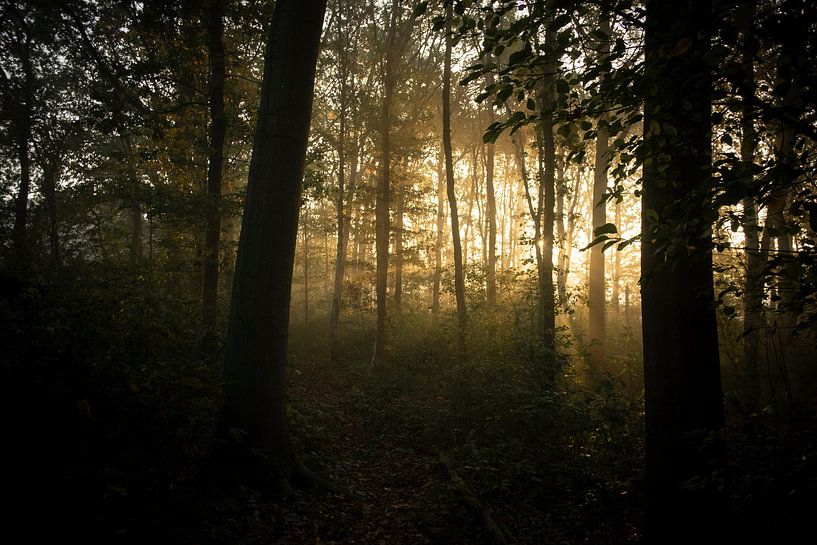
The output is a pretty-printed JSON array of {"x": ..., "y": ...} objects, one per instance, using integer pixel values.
[
  {"x": 684, "y": 400},
  {"x": 256, "y": 345}
]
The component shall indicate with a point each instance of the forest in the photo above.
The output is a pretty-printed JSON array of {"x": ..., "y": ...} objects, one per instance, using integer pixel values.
[{"x": 408, "y": 272}]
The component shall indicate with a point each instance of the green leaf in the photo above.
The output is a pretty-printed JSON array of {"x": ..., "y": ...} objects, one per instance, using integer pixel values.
[{"x": 607, "y": 228}]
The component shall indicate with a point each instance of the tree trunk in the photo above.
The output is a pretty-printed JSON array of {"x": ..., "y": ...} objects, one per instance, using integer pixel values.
[
  {"x": 51, "y": 173},
  {"x": 491, "y": 198},
  {"x": 256, "y": 345},
  {"x": 438, "y": 244},
  {"x": 615, "y": 304},
  {"x": 753, "y": 294},
  {"x": 305, "y": 257},
  {"x": 398, "y": 248},
  {"x": 561, "y": 275},
  {"x": 135, "y": 202},
  {"x": 382, "y": 229},
  {"x": 23, "y": 130},
  {"x": 685, "y": 458},
  {"x": 459, "y": 280},
  {"x": 547, "y": 203},
  {"x": 215, "y": 163},
  {"x": 596, "y": 293}
]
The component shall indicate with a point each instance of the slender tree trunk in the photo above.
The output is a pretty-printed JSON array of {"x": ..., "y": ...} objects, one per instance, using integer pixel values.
[
  {"x": 459, "y": 280},
  {"x": 215, "y": 164},
  {"x": 51, "y": 173},
  {"x": 547, "y": 192},
  {"x": 684, "y": 398},
  {"x": 398, "y": 249},
  {"x": 596, "y": 297},
  {"x": 615, "y": 304},
  {"x": 256, "y": 345},
  {"x": 491, "y": 198},
  {"x": 561, "y": 276},
  {"x": 438, "y": 244},
  {"x": 305, "y": 257},
  {"x": 23, "y": 130},
  {"x": 135, "y": 202},
  {"x": 382, "y": 228},
  {"x": 343, "y": 229},
  {"x": 753, "y": 294}
]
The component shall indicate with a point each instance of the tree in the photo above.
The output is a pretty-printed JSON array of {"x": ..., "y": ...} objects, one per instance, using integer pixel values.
[
  {"x": 384, "y": 185},
  {"x": 596, "y": 289},
  {"x": 459, "y": 275},
  {"x": 215, "y": 164},
  {"x": 684, "y": 405},
  {"x": 256, "y": 345}
]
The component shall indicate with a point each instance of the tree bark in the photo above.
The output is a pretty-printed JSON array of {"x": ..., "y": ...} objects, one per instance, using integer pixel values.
[
  {"x": 438, "y": 243},
  {"x": 459, "y": 279},
  {"x": 491, "y": 198},
  {"x": 382, "y": 228},
  {"x": 215, "y": 163},
  {"x": 685, "y": 458},
  {"x": 753, "y": 294},
  {"x": 256, "y": 345},
  {"x": 596, "y": 293},
  {"x": 23, "y": 129}
]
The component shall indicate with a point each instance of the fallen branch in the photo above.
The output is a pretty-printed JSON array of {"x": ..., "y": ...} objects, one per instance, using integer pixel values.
[{"x": 474, "y": 504}]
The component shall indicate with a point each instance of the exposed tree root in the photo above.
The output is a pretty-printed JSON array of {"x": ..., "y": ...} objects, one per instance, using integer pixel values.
[{"x": 475, "y": 505}]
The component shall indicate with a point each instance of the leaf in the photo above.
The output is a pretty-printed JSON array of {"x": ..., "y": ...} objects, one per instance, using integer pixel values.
[
  {"x": 607, "y": 228},
  {"x": 562, "y": 87},
  {"x": 419, "y": 9},
  {"x": 681, "y": 47}
]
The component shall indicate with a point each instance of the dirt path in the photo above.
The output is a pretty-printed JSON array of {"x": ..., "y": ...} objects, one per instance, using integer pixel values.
[{"x": 402, "y": 493}]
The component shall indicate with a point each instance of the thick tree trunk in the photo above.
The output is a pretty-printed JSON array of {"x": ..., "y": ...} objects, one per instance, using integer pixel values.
[
  {"x": 215, "y": 163},
  {"x": 256, "y": 345},
  {"x": 459, "y": 275},
  {"x": 596, "y": 292},
  {"x": 685, "y": 458}
]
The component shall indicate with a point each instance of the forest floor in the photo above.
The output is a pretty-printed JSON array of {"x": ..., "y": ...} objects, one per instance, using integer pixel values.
[{"x": 384, "y": 438}]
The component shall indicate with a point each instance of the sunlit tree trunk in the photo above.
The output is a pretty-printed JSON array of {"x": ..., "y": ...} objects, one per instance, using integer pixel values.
[
  {"x": 490, "y": 279},
  {"x": 438, "y": 243},
  {"x": 459, "y": 280},
  {"x": 256, "y": 344},
  {"x": 615, "y": 294},
  {"x": 596, "y": 297},
  {"x": 215, "y": 163},
  {"x": 398, "y": 247},
  {"x": 561, "y": 276},
  {"x": 684, "y": 398},
  {"x": 546, "y": 210}
]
